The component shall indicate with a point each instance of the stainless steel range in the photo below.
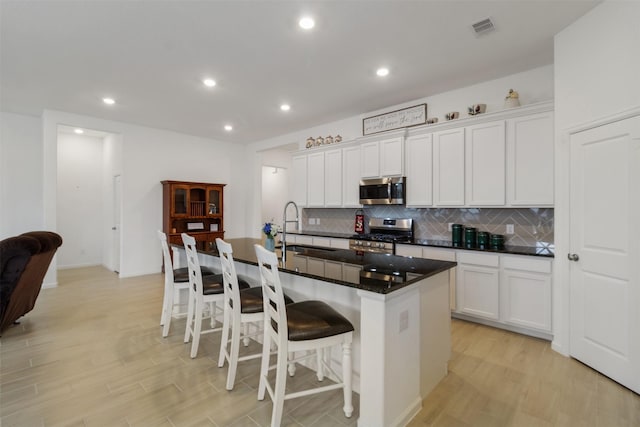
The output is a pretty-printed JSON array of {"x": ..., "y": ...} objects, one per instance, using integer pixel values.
[{"x": 383, "y": 234}]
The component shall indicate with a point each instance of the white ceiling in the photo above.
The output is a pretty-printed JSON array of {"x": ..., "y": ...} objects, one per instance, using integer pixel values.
[{"x": 152, "y": 55}]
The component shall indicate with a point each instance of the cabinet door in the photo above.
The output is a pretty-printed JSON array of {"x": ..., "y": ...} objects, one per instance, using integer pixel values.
[
  {"x": 333, "y": 270},
  {"x": 299, "y": 181},
  {"x": 315, "y": 266},
  {"x": 351, "y": 273},
  {"x": 419, "y": 161},
  {"x": 392, "y": 157},
  {"x": 370, "y": 160},
  {"x": 527, "y": 299},
  {"x": 478, "y": 284},
  {"x": 409, "y": 250},
  {"x": 448, "y": 168},
  {"x": 351, "y": 177},
  {"x": 485, "y": 164},
  {"x": 530, "y": 153},
  {"x": 214, "y": 201},
  {"x": 300, "y": 263},
  {"x": 444, "y": 255},
  {"x": 315, "y": 180},
  {"x": 333, "y": 178},
  {"x": 179, "y": 200}
]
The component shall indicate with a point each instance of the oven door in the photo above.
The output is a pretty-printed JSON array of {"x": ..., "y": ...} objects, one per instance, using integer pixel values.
[{"x": 382, "y": 191}]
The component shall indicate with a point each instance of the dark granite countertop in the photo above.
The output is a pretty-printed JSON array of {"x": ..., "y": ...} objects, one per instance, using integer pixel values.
[
  {"x": 321, "y": 234},
  {"x": 380, "y": 273},
  {"x": 543, "y": 251}
]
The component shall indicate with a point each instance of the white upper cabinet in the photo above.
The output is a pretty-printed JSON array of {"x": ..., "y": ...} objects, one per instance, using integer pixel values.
[
  {"x": 315, "y": 180},
  {"x": 351, "y": 177},
  {"x": 448, "y": 167},
  {"x": 530, "y": 153},
  {"x": 370, "y": 165},
  {"x": 485, "y": 164},
  {"x": 333, "y": 178},
  {"x": 382, "y": 158},
  {"x": 419, "y": 161},
  {"x": 299, "y": 180}
]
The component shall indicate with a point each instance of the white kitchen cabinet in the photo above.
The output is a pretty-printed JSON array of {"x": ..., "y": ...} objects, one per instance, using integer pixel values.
[
  {"x": 299, "y": 263},
  {"x": 526, "y": 292},
  {"x": 478, "y": 285},
  {"x": 340, "y": 243},
  {"x": 485, "y": 166},
  {"x": 419, "y": 168},
  {"x": 315, "y": 180},
  {"x": 530, "y": 154},
  {"x": 392, "y": 157},
  {"x": 333, "y": 270},
  {"x": 382, "y": 158},
  {"x": 448, "y": 168},
  {"x": 351, "y": 272},
  {"x": 351, "y": 177},
  {"x": 323, "y": 242},
  {"x": 304, "y": 240},
  {"x": 333, "y": 178},
  {"x": 370, "y": 160},
  {"x": 315, "y": 266},
  {"x": 299, "y": 180}
]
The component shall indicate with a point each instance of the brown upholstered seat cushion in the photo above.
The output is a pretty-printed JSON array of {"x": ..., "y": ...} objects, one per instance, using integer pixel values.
[
  {"x": 181, "y": 275},
  {"x": 212, "y": 285},
  {"x": 251, "y": 300},
  {"x": 308, "y": 320}
]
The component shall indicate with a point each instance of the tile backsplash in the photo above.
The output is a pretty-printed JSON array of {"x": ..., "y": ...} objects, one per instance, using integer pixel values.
[{"x": 531, "y": 225}]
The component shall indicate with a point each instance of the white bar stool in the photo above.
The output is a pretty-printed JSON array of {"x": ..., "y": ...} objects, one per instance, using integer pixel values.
[
  {"x": 301, "y": 326},
  {"x": 174, "y": 279},
  {"x": 201, "y": 291}
]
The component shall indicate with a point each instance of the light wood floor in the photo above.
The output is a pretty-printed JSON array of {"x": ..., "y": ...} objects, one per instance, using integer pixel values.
[{"x": 91, "y": 354}]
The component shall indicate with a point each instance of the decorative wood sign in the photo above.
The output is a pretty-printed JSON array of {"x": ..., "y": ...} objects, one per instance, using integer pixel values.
[{"x": 406, "y": 117}]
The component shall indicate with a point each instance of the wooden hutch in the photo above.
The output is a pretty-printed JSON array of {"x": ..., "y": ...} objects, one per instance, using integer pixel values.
[{"x": 194, "y": 208}]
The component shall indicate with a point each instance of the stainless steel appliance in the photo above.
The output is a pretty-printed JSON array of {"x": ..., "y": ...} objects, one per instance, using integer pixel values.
[
  {"x": 383, "y": 191},
  {"x": 383, "y": 234}
]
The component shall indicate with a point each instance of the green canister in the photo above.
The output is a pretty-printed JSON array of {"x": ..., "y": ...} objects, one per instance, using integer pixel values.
[
  {"x": 497, "y": 241},
  {"x": 483, "y": 240},
  {"x": 456, "y": 235},
  {"x": 470, "y": 237}
]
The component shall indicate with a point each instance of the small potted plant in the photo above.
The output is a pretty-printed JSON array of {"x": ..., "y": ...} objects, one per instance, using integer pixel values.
[{"x": 271, "y": 231}]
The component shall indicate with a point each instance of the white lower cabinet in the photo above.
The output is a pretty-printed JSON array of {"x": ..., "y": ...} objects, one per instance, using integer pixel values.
[
  {"x": 333, "y": 270},
  {"x": 503, "y": 290},
  {"x": 526, "y": 292},
  {"x": 478, "y": 285}
]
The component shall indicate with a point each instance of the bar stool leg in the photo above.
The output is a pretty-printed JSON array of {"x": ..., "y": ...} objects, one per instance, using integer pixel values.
[
  {"x": 226, "y": 322},
  {"x": 292, "y": 365},
  {"x": 233, "y": 358},
  {"x": 264, "y": 368},
  {"x": 197, "y": 328},
  {"x": 319, "y": 358},
  {"x": 245, "y": 340},
  {"x": 278, "y": 398},
  {"x": 346, "y": 378},
  {"x": 187, "y": 332},
  {"x": 167, "y": 313}
]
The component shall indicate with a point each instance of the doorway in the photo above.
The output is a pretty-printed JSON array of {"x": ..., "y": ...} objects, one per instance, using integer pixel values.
[{"x": 88, "y": 199}]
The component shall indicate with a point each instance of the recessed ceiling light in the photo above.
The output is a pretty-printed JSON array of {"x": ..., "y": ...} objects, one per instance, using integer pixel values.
[
  {"x": 209, "y": 82},
  {"x": 228, "y": 128},
  {"x": 78, "y": 131},
  {"x": 109, "y": 101},
  {"x": 382, "y": 72},
  {"x": 306, "y": 23},
  {"x": 285, "y": 107}
]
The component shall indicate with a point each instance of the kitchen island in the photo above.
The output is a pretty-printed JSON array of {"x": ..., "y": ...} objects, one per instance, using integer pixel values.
[{"x": 400, "y": 310}]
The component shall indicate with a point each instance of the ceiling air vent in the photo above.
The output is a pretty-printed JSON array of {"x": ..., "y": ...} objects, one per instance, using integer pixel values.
[{"x": 483, "y": 27}]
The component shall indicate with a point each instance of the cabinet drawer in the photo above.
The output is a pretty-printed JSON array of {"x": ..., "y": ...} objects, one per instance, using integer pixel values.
[
  {"x": 526, "y": 264},
  {"x": 487, "y": 260},
  {"x": 304, "y": 240},
  {"x": 324, "y": 242},
  {"x": 340, "y": 243},
  {"x": 439, "y": 254}
]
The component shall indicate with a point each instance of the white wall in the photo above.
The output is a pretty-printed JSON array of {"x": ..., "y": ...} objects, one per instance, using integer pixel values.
[
  {"x": 150, "y": 156},
  {"x": 274, "y": 193},
  {"x": 20, "y": 174},
  {"x": 597, "y": 65},
  {"x": 80, "y": 207}
]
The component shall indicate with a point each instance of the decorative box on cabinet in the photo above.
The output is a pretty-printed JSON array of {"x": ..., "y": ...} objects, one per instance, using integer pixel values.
[{"x": 194, "y": 208}]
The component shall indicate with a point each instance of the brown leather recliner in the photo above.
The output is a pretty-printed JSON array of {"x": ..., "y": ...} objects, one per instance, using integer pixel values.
[{"x": 24, "y": 261}]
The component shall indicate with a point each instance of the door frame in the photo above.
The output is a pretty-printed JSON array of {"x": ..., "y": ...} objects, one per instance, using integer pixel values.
[{"x": 561, "y": 297}]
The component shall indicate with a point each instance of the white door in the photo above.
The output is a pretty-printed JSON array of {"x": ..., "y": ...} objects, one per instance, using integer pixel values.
[
  {"x": 605, "y": 241},
  {"x": 117, "y": 206}
]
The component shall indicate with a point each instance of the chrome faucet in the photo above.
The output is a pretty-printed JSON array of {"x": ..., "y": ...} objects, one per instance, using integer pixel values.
[{"x": 284, "y": 229}]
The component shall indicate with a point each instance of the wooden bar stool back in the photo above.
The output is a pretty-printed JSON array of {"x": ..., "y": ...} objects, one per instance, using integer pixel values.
[{"x": 299, "y": 327}]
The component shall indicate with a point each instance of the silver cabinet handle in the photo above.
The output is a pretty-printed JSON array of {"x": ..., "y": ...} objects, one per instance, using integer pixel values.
[{"x": 573, "y": 257}]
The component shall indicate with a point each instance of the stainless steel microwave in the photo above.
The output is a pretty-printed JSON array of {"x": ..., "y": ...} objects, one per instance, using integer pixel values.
[{"x": 383, "y": 191}]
